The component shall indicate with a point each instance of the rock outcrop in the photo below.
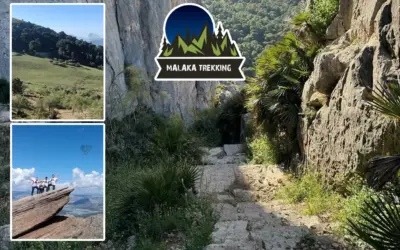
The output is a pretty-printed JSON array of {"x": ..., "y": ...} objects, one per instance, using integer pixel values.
[
  {"x": 134, "y": 32},
  {"x": 34, "y": 217},
  {"x": 346, "y": 132},
  {"x": 31, "y": 211},
  {"x": 69, "y": 227}
]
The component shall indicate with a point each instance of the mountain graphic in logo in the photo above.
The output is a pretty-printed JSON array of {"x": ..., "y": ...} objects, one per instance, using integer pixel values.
[{"x": 192, "y": 48}]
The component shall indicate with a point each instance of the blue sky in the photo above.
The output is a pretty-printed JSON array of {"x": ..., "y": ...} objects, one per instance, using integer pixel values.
[
  {"x": 76, "y": 20},
  {"x": 43, "y": 150}
]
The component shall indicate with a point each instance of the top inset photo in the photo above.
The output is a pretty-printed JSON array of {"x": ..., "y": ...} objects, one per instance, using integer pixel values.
[{"x": 57, "y": 58}]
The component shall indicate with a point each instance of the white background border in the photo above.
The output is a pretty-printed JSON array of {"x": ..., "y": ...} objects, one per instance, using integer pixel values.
[
  {"x": 104, "y": 176},
  {"x": 104, "y": 64}
]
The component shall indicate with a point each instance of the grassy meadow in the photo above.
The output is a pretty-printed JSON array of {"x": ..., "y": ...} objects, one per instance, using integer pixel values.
[{"x": 44, "y": 88}]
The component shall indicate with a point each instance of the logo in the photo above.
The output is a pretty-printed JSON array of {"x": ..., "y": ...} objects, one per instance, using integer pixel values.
[{"x": 193, "y": 48}]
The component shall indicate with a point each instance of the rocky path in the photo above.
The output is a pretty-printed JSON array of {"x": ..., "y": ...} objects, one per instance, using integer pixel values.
[{"x": 249, "y": 217}]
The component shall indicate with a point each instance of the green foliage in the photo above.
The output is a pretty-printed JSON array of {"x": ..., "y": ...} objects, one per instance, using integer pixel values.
[
  {"x": 220, "y": 124},
  {"x": 32, "y": 38},
  {"x": 19, "y": 105},
  {"x": 205, "y": 126},
  {"x": 386, "y": 100},
  {"x": 162, "y": 186},
  {"x": 274, "y": 95},
  {"x": 322, "y": 14},
  {"x": 262, "y": 150},
  {"x": 381, "y": 226},
  {"x": 157, "y": 156},
  {"x": 17, "y": 86},
  {"x": 317, "y": 198},
  {"x": 173, "y": 139},
  {"x": 131, "y": 137},
  {"x": 254, "y": 25},
  {"x": 351, "y": 206}
]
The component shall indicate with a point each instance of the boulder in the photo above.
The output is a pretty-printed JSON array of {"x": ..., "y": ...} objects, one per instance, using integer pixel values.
[
  {"x": 29, "y": 212},
  {"x": 232, "y": 149}
]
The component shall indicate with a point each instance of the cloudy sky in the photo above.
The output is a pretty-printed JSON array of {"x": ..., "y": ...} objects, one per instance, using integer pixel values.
[{"x": 74, "y": 152}]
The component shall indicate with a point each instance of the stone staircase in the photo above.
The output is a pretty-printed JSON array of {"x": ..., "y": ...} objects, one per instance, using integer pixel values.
[{"x": 243, "y": 198}]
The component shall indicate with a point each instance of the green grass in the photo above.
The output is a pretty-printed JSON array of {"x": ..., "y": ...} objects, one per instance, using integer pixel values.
[
  {"x": 262, "y": 150},
  {"x": 41, "y": 72},
  {"x": 69, "y": 91},
  {"x": 309, "y": 189}
]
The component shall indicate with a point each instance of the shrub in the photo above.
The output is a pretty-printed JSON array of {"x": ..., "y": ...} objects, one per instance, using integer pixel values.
[
  {"x": 317, "y": 198},
  {"x": 174, "y": 140},
  {"x": 205, "y": 126},
  {"x": 20, "y": 103},
  {"x": 130, "y": 137},
  {"x": 17, "y": 86},
  {"x": 53, "y": 114},
  {"x": 54, "y": 100},
  {"x": 322, "y": 14},
  {"x": 262, "y": 151}
]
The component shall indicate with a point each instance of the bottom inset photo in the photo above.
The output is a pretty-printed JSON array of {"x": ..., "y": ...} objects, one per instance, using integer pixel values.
[{"x": 57, "y": 182}]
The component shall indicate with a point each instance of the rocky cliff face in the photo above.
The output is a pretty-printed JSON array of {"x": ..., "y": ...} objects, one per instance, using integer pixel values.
[
  {"x": 364, "y": 53},
  {"x": 134, "y": 32},
  {"x": 35, "y": 217}
]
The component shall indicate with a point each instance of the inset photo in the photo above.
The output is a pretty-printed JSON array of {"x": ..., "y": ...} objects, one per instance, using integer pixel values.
[
  {"x": 57, "y": 62},
  {"x": 57, "y": 182}
]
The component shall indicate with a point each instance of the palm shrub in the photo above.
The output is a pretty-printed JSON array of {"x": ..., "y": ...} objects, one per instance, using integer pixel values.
[
  {"x": 153, "y": 187},
  {"x": 380, "y": 225},
  {"x": 382, "y": 169},
  {"x": 275, "y": 94}
]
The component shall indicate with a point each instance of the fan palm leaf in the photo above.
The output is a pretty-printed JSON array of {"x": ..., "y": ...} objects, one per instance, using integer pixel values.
[
  {"x": 387, "y": 100},
  {"x": 380, "y": 226},
  {"x": 382, "y": 169}
]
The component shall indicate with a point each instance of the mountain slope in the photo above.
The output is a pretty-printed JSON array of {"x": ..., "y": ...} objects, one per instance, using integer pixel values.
[{"x": 38, "y": 40}]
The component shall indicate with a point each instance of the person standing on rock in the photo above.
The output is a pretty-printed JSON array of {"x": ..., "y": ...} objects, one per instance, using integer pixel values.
[
  {"x": 41, "y": 187},
  {"x": 35, "y": 183},
  {"x": 52, "y": 182},
  {"x": 45, "y": 184}
]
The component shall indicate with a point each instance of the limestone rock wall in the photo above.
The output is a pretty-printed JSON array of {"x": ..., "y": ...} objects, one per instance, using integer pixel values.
[
  {"x": 364, "y": 53},
  {"x": 134, "y": 32}
]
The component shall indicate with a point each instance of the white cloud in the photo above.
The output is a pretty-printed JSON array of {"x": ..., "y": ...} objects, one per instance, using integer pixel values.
[
  {"x": 20, "y": 177},
  {"x": 82, "y": 180}
]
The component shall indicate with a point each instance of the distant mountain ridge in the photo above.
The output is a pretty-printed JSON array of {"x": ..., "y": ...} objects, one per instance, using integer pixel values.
[{"x": 37, "y": 40}]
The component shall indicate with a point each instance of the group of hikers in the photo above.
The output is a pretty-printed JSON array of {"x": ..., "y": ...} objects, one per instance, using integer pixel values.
[{"x": 42, "y": 186}]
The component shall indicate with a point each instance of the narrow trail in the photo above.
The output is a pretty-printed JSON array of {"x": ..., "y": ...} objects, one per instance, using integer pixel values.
[{"x": 249, "y": 216}]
